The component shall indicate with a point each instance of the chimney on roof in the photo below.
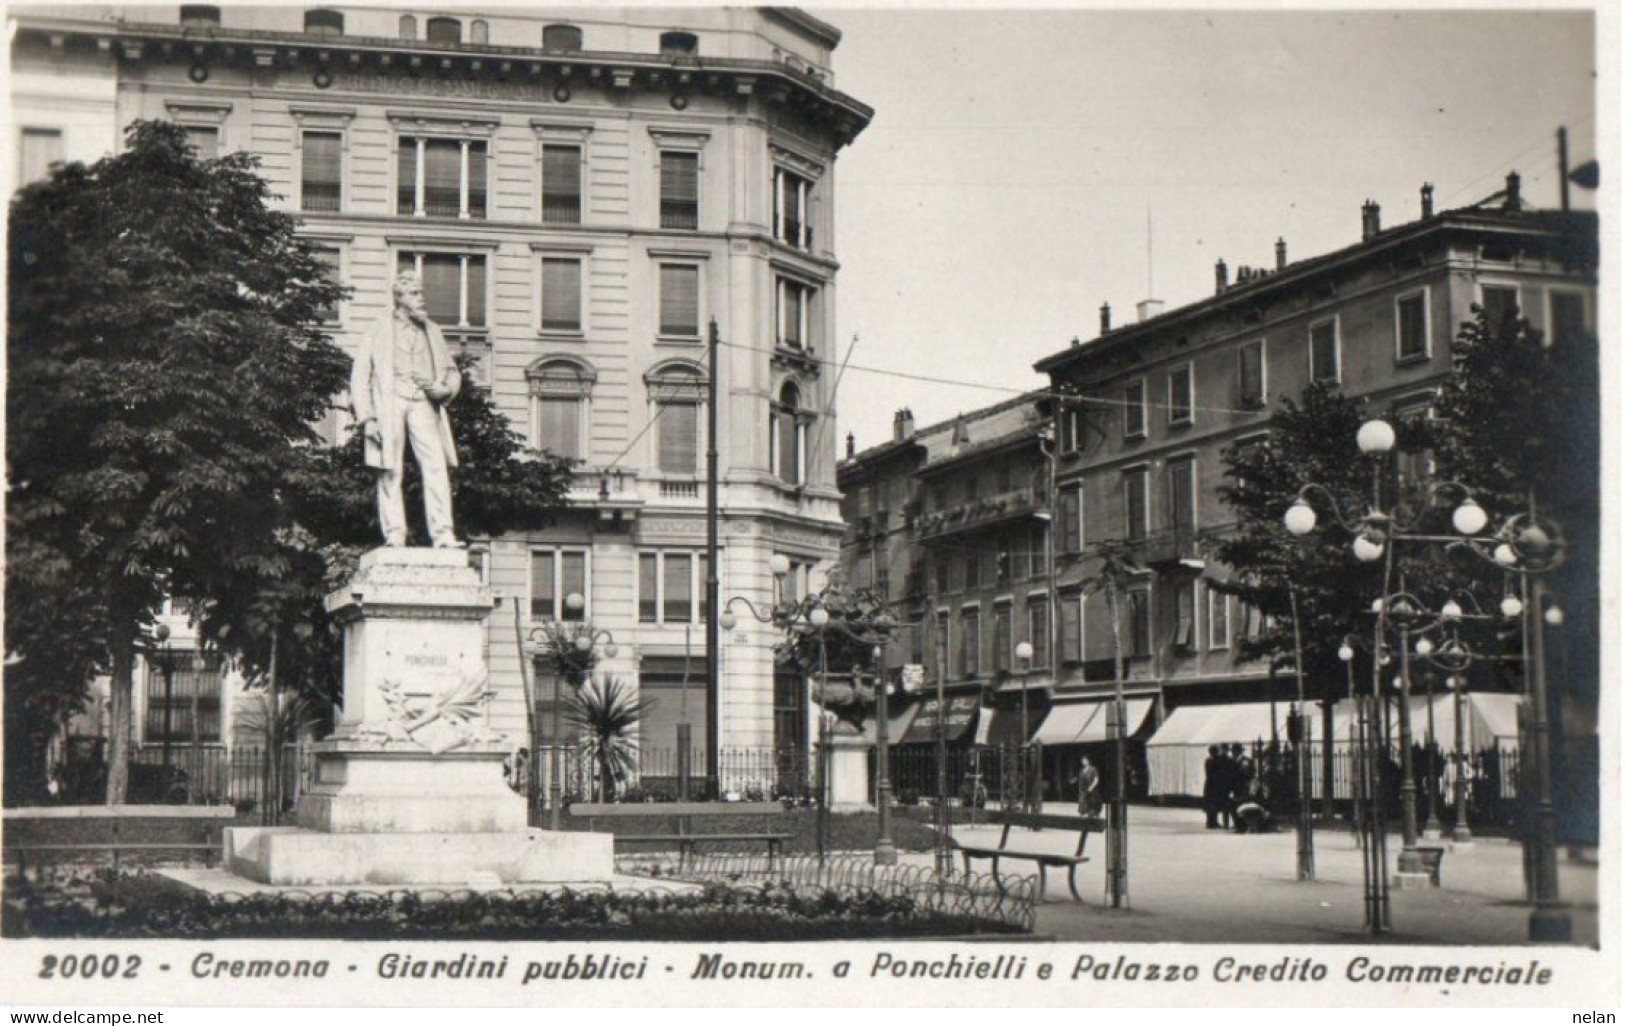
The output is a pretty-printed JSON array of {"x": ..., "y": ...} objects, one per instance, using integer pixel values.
[
  {"x": 961, "y": 433},
  {"x": 1076, "y": 342},
  {"x": 1280, "y": 254},
  {"x": 851, "y": 445},
  {"x": 1370, "y": 221},
  {"x": 1105, "y": 318},
  {"x": 902, "y": 425},
  {"x": 1221, "y": 277},
  {"x": 1427, "y": 200},
  {"x": 1148, "y": 308},
  {"x": 1514, "y": 200}
]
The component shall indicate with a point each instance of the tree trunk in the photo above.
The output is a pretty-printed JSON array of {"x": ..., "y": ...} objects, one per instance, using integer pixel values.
[{"x": 121, "y": 690}]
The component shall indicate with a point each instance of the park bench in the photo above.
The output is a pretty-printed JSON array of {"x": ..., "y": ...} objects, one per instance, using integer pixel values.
[
  {"x": 1019, "y": 839},
  {"x": 674, "y": 824},
  {"x": 73, "y": 831}
]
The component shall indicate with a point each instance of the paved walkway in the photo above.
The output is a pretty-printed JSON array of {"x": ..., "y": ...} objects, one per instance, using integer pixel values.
[{"x": 1191, "y": 884}]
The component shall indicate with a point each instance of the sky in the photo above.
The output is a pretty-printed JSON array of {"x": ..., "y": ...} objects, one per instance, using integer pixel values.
[{"x": 1024, "y": 167}]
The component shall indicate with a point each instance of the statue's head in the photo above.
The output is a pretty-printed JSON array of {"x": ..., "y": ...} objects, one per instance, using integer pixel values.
[{"x": 407, "y": 289}]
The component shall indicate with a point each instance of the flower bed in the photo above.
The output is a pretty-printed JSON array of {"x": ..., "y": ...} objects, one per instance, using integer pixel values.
[{"x": 108, "y": 904}]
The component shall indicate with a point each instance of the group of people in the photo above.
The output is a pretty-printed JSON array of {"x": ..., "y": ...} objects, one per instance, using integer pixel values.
[{"x": 1229, "y": 788}]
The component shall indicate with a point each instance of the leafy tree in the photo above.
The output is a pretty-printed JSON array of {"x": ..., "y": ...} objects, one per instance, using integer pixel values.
[
  {"x": 835, "y": 653},
  {"x": 163, "y": 376}
]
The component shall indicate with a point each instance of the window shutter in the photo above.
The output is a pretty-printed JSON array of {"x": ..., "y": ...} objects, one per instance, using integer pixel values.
[
  {"x": 406, "y": 177},
  {"x": 559, "y": 426},
  {"x": 476, "y": 291},
  {"x": 679, "y": 438},
  {"x": 648, "y": 583},
  {"x": 319, "y": 184},
  {"x": 679, "y": 300},
  {"x": 574, "y": 571},
  {"x": 1071, "y": 628},
  {"x": 477, "y": 176},
  {"x": 679, "y": 189},
  {"x": 789, "y": 447},
  {"x": 442, "y": 285},
  {"x": 442, "y": 177},
  {"x": 541, "y": 586},
  {"x": 561, "y": 184},
  {"x": 561, "y": 295},
  {"x": 679, "y": 594}
]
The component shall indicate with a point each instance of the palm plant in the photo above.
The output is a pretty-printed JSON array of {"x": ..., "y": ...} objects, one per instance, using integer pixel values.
[{"x": 606, "y": 714}]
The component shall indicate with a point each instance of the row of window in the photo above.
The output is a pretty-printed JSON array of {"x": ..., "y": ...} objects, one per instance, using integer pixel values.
[
  {"x": 456, "y": 290},
  {"x": 1412, "y": 343},
  {"x": 449, "y": 177},
  {"x": 964, "y": 640},
  {"x": 671, "y": 584},
  {"x": 1016, "y": 555}
]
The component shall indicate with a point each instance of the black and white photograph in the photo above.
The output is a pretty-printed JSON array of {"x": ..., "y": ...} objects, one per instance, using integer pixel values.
[{"x": 1094, "y": 506}]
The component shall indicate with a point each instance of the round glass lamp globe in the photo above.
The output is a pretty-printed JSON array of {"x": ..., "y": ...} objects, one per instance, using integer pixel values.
[
  {"x": 610, "y": 650},
  {"x": 1469, "y": 518},
  {"x": 1424, "y": 646},
  {"x": 1346, "y": 654},
  {"x": 1451, "y": 610},
  {"x": 779, "y": 564},
  {"x": 1504, "y": 555},
  {"x": 1511, "y": 606},
  {"x": 1554, "y": 616},
  {"x": 574, "y": 602},
  {"x": 1375, "y": 436},
  {"x": 819, "y": 616},
  {"x": 1299, "y": 518},
  {"x": 727, "y": 621},
  {"x": 583, "y": 643},
  {"x": 1366, "y": 550},
  {"x": 1024, "y": 651}
]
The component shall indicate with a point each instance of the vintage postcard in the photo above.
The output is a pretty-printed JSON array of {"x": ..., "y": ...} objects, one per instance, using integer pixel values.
[{"x": 1095, "y": 506}]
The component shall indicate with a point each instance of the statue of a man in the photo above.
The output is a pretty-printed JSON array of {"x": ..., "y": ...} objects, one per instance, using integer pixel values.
[{"x": 401, "y": 382}]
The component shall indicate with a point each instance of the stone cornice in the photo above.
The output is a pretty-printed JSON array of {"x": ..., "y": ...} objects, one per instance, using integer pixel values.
[{"x": 843, "y": 116}]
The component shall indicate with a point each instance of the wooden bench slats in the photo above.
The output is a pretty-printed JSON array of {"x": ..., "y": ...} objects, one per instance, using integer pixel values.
[
  {"x": 681, "y": 815},
  {"x": 1083, "y": 826}
]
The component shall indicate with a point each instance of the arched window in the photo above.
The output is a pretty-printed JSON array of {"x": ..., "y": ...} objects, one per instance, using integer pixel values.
[
  {"x": 561, "y": 37},
  {"x": 676, "y": 44},
  {"x": 787, "y": 436},
  {"x": 560, "y": 388},
  {"x": 479, "y": 31},
  {"x": 409, "y": 27},
  {"x": 445, "y": 30},
  {"x": 676, "y": 395},
  {"x": 200, "y": 16},
  {"x": 323, "y": 22}
]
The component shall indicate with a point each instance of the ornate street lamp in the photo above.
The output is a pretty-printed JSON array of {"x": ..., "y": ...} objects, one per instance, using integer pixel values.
[
  {"x": 1368, "y": 799},
  {"x": 1024, "y": 664}
]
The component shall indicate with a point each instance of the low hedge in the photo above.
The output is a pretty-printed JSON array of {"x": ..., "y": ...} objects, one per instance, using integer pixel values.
[{"x": 110, "y": 904}]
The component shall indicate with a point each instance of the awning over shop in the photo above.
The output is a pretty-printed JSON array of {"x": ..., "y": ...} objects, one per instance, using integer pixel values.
[
  {"x": 1065, "y": 723},
  {"x": 1135, "y": 710},
  {"x": 957, "y": 718},
  {"x": 1006, "y": 726}
]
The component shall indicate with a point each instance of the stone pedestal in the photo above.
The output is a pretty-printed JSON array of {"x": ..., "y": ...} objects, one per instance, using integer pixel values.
[
  {"x": 848, "y": 772},
  {"x": 410, "y": 789}
]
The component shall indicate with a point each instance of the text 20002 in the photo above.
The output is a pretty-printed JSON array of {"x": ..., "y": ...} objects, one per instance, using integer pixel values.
[{"x": 90, "y": 967}]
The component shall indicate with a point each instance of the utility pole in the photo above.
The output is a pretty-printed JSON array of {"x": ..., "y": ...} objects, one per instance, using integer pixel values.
[{"x": 713, "y": 632}]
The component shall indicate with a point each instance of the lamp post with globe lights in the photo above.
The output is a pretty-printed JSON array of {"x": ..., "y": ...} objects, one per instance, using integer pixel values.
[
  {"x": 1369, "y": 825},
  {"x": 572, "y": 647},
  {"x": 1375, "y": 533}
]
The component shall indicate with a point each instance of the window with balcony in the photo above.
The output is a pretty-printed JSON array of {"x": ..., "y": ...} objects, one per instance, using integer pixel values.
[
  {"x": 792, "y": 208},
  {"x": 1004, "y": 559},
  {"x": 1138, "y": 641},
  {"x": 789, "y": 428},
  {"x": 1134, "y": 409},
  {"x": 970, "y": 642},
  {"x": 1181, "y": 506},
  {"x": 561, "y": 295},
  {"x": 561, "y": 184},
  {"x": 1324, "y": 358},
  {"x": 1038, "y": 630},
  {"x": 680, "y": 300},
  {"x": 1250, "y": 386},
  {"x": 794, "y": 314},
  {"x": 560, "y": 390},
  {"x": 441, "y": 177},
  {"x": 677, "y": 392},
  {"x": 556, "y": 574},
  {"x": 1071, "y": 521},
  {"x": 1411, "y": 340},
  {"x": 321, "y": 171},
  {"x": 1218, "y": 619},
  {"x": 679, "y": 189},
  {"x": 1071, "y": 628},
  {"x": 453, "y": 286},
  {"x": 1003, "y": 639},
  {"x": 1181, "y": 395},
  {"x": 1184, "y": 633},
  {"x": 324, "y": 22},
  {"x": 678, "y": 44},
  {"x": 1136, "y": 503}
]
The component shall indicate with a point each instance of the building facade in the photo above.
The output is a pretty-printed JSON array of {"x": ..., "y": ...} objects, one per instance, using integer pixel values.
[
  {"x": 1151, "y": 407},
  {"x": 583, "y": 195}
]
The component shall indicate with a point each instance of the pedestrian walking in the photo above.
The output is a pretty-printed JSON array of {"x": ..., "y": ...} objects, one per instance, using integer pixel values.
[
  {"x": 1088, "y": 788},
  {"x": 1212, "y": 782}
]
